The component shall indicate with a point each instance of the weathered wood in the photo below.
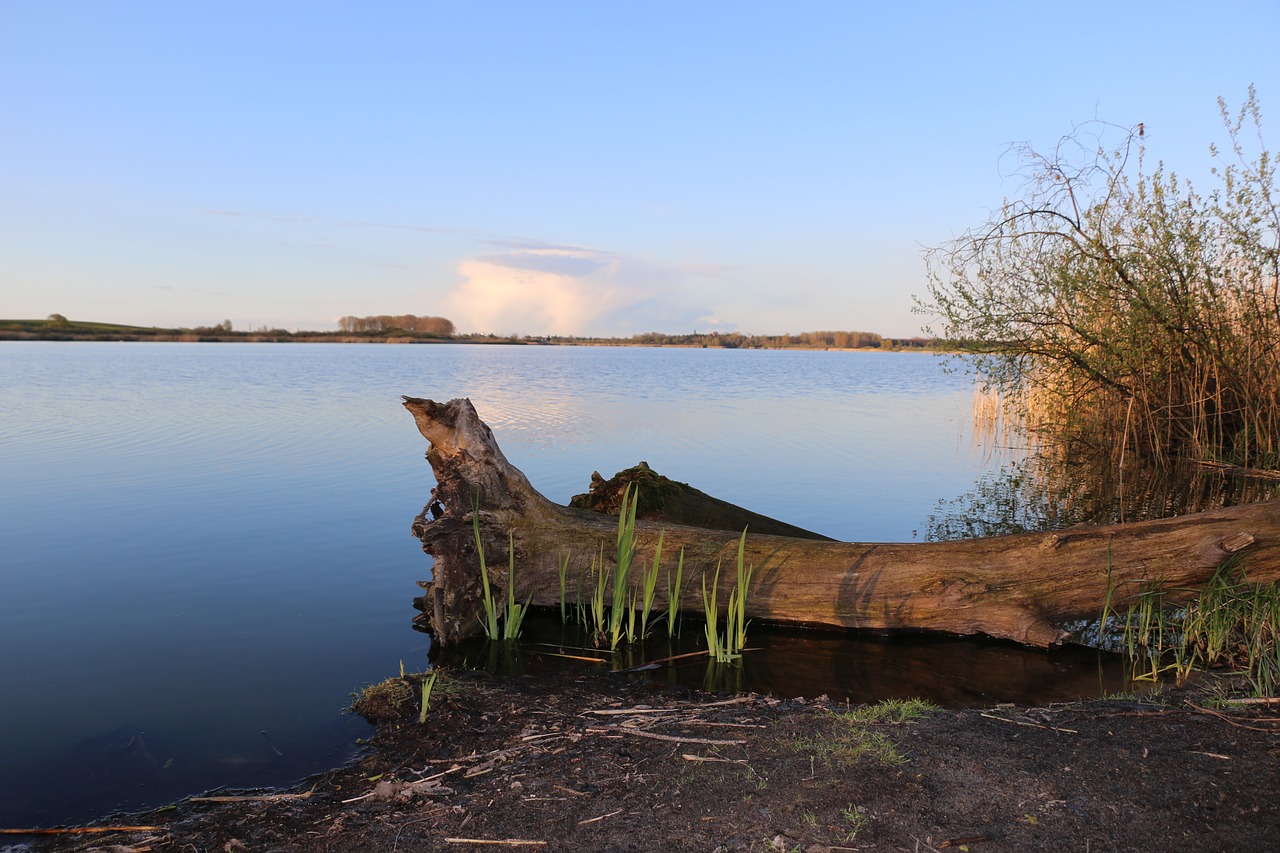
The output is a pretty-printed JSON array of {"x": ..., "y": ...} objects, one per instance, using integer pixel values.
[
  {"x": 665, "y": 500},
  {"x": 1021, "y": 587}
]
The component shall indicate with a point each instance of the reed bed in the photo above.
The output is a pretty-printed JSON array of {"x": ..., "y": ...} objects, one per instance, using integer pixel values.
[
  {"x": 1231, "y": 623},
  {"x": 1116, "y": 312}
]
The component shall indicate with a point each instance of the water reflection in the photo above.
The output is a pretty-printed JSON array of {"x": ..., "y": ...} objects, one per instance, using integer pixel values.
[
  {"x": 953, "y": 672},
  {"x": 1040, "y": 493}
]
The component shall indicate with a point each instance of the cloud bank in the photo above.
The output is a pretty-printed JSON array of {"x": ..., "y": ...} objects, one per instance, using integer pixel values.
[{"x": 534, "y": 288}]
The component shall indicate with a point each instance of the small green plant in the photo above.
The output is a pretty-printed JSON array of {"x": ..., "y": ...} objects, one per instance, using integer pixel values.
[
  {"x": 729, "y": 648},
  {"x": 428, "y": 684},
  {"x": 631, "y": 621},
  {"x": 490, "y": 608},
  {"x": 673, "y": 596},
  {"x": 738, "y": 598},
  {"x": 610, "y": 613},
  {"x": 564, "y": 573},
  {"x": 514, "y": 614},
  {"x": 626, "y": 553},
  {"x": 719, "y": 653},
  {"x": 1147, "y": 632},
  {"x": 650, "y": 587},
  {"x": 856, "y": 818},
  {"x": 600, "y": 584}
]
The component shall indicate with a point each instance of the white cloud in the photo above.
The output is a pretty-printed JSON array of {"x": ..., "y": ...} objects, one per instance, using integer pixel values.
[{"x": 533, "y": 288}]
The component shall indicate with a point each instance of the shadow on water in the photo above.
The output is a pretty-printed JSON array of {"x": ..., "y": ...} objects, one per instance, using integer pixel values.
[{"x": 953, "y": 672}]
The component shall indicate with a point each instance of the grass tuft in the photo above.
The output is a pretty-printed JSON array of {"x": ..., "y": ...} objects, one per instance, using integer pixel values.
[
  {"x": 728, "y": 648},
  {"x": 851, "y": 738},
  {"x": 892, "y": 711},
  {"x": 1231, "y": 623}
]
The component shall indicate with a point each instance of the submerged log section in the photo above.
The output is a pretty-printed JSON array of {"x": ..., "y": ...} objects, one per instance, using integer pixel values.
[{"x": 1022, "y": 587}]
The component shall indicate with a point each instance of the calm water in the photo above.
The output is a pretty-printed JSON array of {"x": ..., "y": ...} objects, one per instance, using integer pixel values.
[{"x": 206, "y": 547}]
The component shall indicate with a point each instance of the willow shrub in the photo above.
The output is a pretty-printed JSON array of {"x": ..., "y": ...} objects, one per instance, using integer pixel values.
[{"x": 1118, "y": 310}]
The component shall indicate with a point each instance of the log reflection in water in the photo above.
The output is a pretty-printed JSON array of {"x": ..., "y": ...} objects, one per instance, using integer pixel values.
[{"x": 954, "y": 672}]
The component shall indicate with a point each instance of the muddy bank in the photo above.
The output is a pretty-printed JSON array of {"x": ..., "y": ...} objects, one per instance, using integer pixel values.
[{"x": 598, "y": 763}]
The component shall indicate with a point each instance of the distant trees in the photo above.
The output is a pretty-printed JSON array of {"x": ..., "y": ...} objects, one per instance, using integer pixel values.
[
  {"x": 738, "y": 340},
  {"x": 838, "y": 340},
  {"x": 57, "y": 321},
  {"x": 388, "y": 323}
]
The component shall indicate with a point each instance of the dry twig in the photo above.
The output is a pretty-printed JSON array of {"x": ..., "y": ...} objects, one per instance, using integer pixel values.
[
  {"x": 80, "y": 830},
  {"x": 1231, "y": 722},
  {"x": 1028, "y": 723},
  {"x": 683, "y": 738},
  {"x": 505, "y": 842}
]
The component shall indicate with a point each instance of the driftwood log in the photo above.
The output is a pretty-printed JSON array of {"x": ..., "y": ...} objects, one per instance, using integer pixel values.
[{"x": 1022, "y": 588}]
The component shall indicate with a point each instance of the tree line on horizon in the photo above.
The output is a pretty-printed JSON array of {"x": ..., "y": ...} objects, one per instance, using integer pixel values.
[
  {"x": 411, "y": 326},
  {"x": 386, "y": 323},
  {"x": 808, "y": 340}
]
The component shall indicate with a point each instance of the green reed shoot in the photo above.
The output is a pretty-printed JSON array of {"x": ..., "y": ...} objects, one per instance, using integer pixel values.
[
  {"x": 1147, "y": 631},
  {"x": 738, "y": 598},
  {"x": 515, "y": 613},
  {"x": 631, "y": 620},
  {"x": 735, "y": 633},
  {"x": 428, "y": 684},
  {"x": 673, "y": 595},
  {"x": 564, "y": 572},
  {"x": 622, "y": 566},
  {"x": 1212, "y": 619},
  {"x": 490, "y": 622},
  {"x": 1261, "y": 630},
  {"x": 650, "y": 587},
  {"x": 731, "y": 631},
  {"x": 598, "y": 587},
  {"x": 714, "y": 647}
]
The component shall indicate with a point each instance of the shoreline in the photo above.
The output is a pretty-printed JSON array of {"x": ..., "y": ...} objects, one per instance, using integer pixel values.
[
  {"x": 338, "y": 338},
  {"x": 589, "y": 762}
]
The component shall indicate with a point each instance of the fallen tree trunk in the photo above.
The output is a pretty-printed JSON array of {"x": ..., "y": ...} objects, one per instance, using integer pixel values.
[{"x": 1022, "y": 588}]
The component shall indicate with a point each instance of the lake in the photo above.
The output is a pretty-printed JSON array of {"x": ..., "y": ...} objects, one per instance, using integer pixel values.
[{"x": 206, "y": 547}]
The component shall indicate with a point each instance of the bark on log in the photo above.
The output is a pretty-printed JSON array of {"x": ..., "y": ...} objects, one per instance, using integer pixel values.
[
  {"x": 1021, "y": 588},
  {"x": 662, "y": 499}
]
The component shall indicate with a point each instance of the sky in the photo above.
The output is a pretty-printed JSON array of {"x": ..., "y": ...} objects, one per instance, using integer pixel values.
[{"x": 570, "y": 168}]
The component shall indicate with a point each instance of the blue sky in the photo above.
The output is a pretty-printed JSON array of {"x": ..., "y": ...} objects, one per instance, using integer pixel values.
[{"x": 560, "y": 167}]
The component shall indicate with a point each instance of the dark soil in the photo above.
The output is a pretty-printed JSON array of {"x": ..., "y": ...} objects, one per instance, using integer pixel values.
[{"x": 594, "y": 763}]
